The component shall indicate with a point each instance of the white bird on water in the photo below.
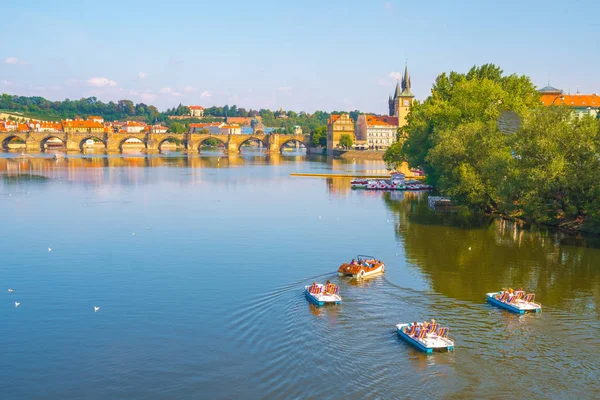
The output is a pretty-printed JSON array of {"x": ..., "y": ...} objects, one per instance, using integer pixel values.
[
  {"x": 49, "y": 249},
  {"x": 17, "y": 304},
  {"x": 96, "y": 309},
  {"x": 10, "y": 290}
]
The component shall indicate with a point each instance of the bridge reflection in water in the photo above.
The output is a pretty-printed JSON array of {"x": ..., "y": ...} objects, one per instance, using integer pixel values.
[{"x": 94, "y": 167}]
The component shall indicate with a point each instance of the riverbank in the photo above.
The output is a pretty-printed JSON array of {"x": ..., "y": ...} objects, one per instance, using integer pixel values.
[{"x": 359, "y": 154}]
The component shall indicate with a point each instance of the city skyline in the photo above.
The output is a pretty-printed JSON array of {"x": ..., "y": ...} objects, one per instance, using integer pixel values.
[{"x": 335, "y": 56}]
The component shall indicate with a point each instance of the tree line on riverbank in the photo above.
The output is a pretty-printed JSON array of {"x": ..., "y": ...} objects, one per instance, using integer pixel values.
[
  {"x": 546, "y": 169},
  {"x": 40, "y": 108}
]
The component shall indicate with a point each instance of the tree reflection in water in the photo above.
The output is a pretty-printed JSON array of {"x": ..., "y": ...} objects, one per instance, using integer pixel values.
[{"x": 465, "y": 257}]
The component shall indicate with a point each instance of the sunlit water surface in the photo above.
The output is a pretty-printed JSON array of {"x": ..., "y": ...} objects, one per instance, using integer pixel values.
[{"x": 198, "y": 266}]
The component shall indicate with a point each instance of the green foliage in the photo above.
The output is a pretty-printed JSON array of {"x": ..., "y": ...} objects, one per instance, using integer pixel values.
[
  {"x": 211, "y": 142},
  {"x": 548, "y": 171},
  {"x": 178, "y": 127},
  {"x": 318, "y": 137},
  {"x": 346, "y": 141},
  {"x": 40, "y": 108}
]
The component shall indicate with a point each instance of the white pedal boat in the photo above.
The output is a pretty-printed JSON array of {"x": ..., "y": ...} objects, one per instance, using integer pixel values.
[
  {"x": 320, "y": 294},
  {"x": 425, "y": 338},
  {"x": 517, "y": 302}
]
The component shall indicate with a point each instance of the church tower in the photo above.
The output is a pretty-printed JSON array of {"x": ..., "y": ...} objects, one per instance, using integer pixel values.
[{"x": 400, "y": 104}]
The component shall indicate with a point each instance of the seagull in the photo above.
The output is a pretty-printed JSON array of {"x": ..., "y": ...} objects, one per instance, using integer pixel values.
[
  {"x": 132, "y": 233},
  {"x": 96, "y": 309},
  {"x": 17, "y": 304},
  {"x": 147, "y": 228},
  {"x": 49, "y": 249},
  {"x": 396, "y": 254},
  {"x": 10, "y": 290},
  {"x": 319, "y": 217},
  {"x": 388, "y": 221}
]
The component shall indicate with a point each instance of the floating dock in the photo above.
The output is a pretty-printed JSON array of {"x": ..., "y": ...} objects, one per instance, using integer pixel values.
[{"x": 359, "y": 176}]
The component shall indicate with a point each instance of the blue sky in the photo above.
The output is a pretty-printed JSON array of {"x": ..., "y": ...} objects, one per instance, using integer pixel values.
[{"x": 303, "y": 55}]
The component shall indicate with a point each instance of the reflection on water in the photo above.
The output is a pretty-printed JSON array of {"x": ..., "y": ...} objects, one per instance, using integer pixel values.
[{"x": 207, "y": 299}]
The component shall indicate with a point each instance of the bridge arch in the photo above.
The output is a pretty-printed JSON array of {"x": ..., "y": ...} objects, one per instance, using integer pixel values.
[
  {"x": 6, "y": 141},
  {"x": 252, "y": 139},
  {"x": 52, "y": 142},
  {"x": 169, "y": 139},
  {"x": 83, "y": 143},
  {"x": 211, "y": 138},
  {"x": 132, "y": 140},
  {"x": 293, "y": 140}
]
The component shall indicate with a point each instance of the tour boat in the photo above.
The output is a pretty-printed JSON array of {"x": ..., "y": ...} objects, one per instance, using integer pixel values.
[
  {"x": 516, "y": 301},
  {"x": 362, "y": 267},
  {"x": 322, "y": 294},
  {"x": 425, "y": 336}
]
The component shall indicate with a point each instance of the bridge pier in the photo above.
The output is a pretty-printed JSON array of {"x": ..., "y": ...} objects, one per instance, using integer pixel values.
[
  {"x": 231, "y": 147},
  {"x": 72, "y": 144}
]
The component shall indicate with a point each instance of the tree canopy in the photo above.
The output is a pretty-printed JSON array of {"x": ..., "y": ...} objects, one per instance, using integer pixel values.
[{"x": 534, "y": 173}]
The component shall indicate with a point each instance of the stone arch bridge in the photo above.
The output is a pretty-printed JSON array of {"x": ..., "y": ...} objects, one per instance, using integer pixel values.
[{"x": 113, "y": 142}]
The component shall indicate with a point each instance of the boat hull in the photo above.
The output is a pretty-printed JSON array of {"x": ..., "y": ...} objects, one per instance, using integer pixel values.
[
  {"x": 509, "y": 307},
  {"x": 377, "y": 271},
  {"x": 359, "y": 272}
]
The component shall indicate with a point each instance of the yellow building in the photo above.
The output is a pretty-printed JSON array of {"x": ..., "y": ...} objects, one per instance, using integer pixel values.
[
  {"x": 83, "y": 126},
  {"x": 400, "y": 103},
  {"x": 338, "y": 125}
]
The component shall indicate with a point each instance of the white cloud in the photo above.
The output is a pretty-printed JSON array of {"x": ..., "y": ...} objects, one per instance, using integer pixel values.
[
  {"x": 169, "y": 91},
  {"x": 285, "y": 88},
  {"x": 14, "y": 61},
  {"x": 142, "y": 75},
  {"x": 395, "y": 75},
  {"x": 147, "y": 97},
  {"x": 133, "y": 93},
  {"x": 101, "y": 82},
  {"x": 188, "y": 89},
  {"x": 7, "y": 83},
  {"x": 388, "y": 5},
  {"x": 206, "y": 93}
]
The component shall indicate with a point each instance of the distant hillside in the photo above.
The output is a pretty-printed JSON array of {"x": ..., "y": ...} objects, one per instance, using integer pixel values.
[
  {"x": 37, "y": 107},
  {"x": 41, "y": 108}
]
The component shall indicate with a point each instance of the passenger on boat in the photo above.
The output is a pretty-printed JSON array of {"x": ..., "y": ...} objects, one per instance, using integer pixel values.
[{"x": 353, "y": 262}]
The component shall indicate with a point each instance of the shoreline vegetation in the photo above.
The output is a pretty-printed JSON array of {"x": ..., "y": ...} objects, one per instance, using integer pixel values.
[{"x": 544, "y": 169}]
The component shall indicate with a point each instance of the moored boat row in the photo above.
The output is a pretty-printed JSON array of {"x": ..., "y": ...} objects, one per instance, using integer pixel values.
[{"x": 396, "y": 182}]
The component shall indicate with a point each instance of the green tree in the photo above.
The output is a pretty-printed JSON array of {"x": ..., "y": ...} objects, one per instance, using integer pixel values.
[
  {"x": 177, "y": 127},
  {"x": 453, "y": 135},
  {"x": 318, "y": 137},
  {"x": 346, "y": 140}
]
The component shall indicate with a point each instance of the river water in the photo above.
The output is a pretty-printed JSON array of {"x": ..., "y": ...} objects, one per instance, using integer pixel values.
[{"x": 198, "y": 266}]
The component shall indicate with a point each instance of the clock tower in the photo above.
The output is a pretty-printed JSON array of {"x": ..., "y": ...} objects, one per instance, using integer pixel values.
[{"x": 399, "y": 105}]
